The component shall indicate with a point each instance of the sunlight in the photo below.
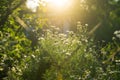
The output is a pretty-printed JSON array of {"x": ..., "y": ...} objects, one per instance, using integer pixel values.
[
  {"x": 32, "y": 4},
  {"x": 53, "y": 5},
  {"x": 59, "y": 4}
]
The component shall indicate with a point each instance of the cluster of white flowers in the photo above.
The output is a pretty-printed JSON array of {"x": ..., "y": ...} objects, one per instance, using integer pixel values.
[{"x": 117, "y": 33}]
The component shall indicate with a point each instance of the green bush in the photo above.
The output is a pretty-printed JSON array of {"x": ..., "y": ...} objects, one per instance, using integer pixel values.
[
  {"x": 14, "y": 47},
  {"x": 60, "y": 56}
]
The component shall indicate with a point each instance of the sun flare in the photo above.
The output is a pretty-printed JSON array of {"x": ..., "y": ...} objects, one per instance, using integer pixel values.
[
  {"x": 32, "y": 4},
  {"x": 58, "y": 3},
  {"x": 54, "y": 5}
]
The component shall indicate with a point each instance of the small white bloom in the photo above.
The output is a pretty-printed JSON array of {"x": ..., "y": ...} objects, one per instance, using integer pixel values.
[
  {"x": 79, "y": 22},
  {"x": 113, "y": 38},
  {"x": 86, "y": 24},
  {"x": 86, "y": 40},
  {"x": 68, "y": 54},
  {"x": 33, "y": 56},
  {"x": 41, "y": 38},
  {"x": 117, "y": 32},
  {"x": 84, "y": 50},
  {"x": 118, "y": 35}
]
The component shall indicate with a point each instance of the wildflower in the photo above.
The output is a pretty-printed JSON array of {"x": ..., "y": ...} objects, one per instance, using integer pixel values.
[
  {"x": 86, "y": 25},
  {"x": 57, "y": 29},
  {"x": 66, "y": 41},
  {"x": 118, "y": 35},
  {"x": 116, "y": 32},
  {"x": 37, "y": 50},
  {"x": 86, "y": 40},
  {"x": 68, "y": 54},
  {"x": 113, "y": 38},
  {"x": 33, "y": 56},
  {"x": 84, "y": 50},
  {"x": 13, "y": 69},
  {"x": 52, "y": 26},
  {"x": 117, "y": 61},
  {"x": 90, "y": 49},
  {"x": 25, "y": 56},
  {"x": 71, "y": 32},
  {"x": 62, "y": 35},
  {"x": 41, "y": 38},
  {"x": 104, "y": 52},
  {"x": 78, "y": 22}
]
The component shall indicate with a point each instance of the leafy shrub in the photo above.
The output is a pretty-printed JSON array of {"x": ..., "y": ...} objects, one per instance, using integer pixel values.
[
  {"x": 14, "y": 47},
  {"x": 60, "y": 56}
]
